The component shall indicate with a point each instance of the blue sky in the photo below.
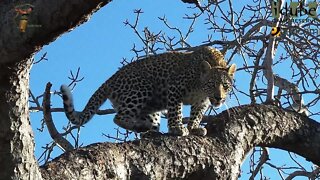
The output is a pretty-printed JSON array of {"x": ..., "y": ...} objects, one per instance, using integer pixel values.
[{"x": 97, "y": 47}]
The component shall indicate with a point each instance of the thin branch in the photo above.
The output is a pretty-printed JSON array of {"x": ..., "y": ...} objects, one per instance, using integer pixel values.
[
  {"x": 55, "y": 135},
  {"x": 263, "y": 158}
]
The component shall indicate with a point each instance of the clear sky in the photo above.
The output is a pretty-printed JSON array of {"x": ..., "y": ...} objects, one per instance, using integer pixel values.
[{"x": 97, "y": 47}]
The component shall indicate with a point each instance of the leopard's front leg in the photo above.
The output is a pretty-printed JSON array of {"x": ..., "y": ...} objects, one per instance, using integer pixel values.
[
  {"x": 174, "y": 107},
  {"x": 196, "y": 114}
]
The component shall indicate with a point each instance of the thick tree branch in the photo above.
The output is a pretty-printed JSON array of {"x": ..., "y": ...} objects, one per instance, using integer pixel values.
[
  {"x": 217, "y": 156},
  {"x": 53, "y": 17}
]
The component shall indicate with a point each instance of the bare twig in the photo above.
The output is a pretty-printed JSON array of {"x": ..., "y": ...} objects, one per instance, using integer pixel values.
[
  {"x": 43, "y": 58},
  {"x": 263, "y": 158}
]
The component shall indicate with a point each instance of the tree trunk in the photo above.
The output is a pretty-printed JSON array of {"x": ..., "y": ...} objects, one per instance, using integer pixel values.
[
  {"x": 16, "y": 137},
  {"x": 217, "y": 156},
  {"x": 16, "y": 49}
]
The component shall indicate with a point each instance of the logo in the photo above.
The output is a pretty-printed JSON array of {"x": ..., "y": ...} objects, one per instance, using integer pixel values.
[
  {"x": 295, "y": 9},
  {"x": 275, "y": 31},
  {"x": 295, "y": 12},
  {"x": 23, "y": 12}
]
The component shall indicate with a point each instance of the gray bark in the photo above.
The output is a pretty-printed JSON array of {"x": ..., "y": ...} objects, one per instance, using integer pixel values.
[
  {"x": 16, "y": 137},
  {"x": 217, "y": 156},
  {"x": 16, "y": 49}
]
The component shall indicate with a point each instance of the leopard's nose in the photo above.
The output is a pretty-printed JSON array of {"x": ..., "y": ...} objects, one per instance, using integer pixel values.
[{"x": 218, "y": 99}]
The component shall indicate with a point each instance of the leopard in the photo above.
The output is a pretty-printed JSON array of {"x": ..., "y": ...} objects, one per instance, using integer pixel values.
[{"x": 142, "y": 89}]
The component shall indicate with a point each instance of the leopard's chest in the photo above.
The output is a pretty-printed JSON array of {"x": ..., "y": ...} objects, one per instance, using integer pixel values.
[{"x": 193, "y": 97}]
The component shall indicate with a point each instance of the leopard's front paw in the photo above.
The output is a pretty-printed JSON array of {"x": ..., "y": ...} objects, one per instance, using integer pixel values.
[
  {"x": 200, "y": 131},
  {"x": 178, "y": 131}
]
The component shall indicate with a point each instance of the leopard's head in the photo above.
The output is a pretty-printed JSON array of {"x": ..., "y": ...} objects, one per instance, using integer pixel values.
[{"x": 216, "y": 82}]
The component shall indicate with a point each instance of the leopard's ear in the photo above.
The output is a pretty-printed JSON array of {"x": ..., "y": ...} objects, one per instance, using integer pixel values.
[
  {"x": 232, "y": 69},
  {"x": 205, "y": 66}
]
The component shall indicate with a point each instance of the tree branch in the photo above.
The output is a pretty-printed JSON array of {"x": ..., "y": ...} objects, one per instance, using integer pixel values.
[
  {"x": 56, "y": 136},
  {"x": 53, "y": 17},
  {"x": 217, "y": 156}
]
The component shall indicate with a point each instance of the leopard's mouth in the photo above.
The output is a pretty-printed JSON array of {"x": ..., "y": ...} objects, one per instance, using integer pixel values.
[{"x": 215, "y": 102}]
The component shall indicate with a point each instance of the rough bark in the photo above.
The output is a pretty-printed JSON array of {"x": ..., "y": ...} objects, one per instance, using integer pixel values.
[
  {"x": 217, "y": 156},
  {"x": 16, "y": 137},
  {"x": 16, "y": 49}
]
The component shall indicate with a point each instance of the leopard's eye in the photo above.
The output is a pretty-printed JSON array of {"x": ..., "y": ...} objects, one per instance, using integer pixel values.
[{"x": 226, "y": 86}]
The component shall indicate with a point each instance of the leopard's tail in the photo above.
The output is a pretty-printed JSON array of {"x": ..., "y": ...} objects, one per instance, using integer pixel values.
[{"x": 94, "y": 103}]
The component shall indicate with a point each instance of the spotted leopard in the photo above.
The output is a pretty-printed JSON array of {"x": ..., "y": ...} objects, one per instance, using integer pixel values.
[{"x": 142, "y": 89}]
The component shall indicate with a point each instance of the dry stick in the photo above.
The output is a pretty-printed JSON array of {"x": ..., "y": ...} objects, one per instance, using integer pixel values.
[
  {"x": 268, "y": 62},
  {"x": 298, "y": 104},
  {"x": 34, "y": 99},
  {"x": 274, "y": 80},
  {"x": 263, "y": 158},
  {"x": 254, "y": 74},
  {"x": 268, "y": 71},
  {"x": 311, "y": 175},
  {"x": 55, "y": 135},
  {"x": 99, "y": 112}
]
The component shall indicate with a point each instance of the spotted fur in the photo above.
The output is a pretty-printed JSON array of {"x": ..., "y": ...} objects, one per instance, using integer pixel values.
[{"x": 141, "y": 90}]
